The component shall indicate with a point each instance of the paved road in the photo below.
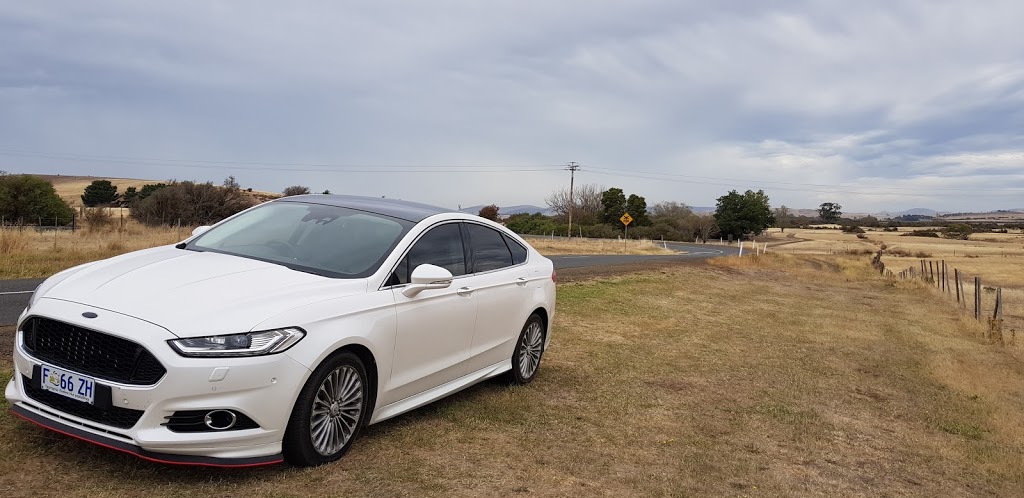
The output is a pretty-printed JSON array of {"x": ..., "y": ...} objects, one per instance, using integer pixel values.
[{"x": 14, "y": 294}]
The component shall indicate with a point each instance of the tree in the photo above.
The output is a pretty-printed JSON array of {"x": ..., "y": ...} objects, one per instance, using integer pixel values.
[
  {"x": 586, "y": 205},
  {"x": 830, "y": 212},
  {"x": 489, "y": 212},
  {"x": 705, "y": 226},
  {"x": 613, "y": 205},
  {"x": 636, "y": 206},
  {"x": 148, "y": 190},
  {"x": 295, "y": 190},
  {"x": 739, "y": 214},
  {"x": 782, "y": 217},
  {"x": 99, "y": 193},
  {"x": 26, "y": 198},
  {"x": 130, "y": 194}
]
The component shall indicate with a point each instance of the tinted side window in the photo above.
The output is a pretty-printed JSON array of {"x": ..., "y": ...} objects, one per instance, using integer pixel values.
[
  {"x": 440, "y": 246},
  {"x": 518, "y": 251},
  {"x": 488, "y": 247}
]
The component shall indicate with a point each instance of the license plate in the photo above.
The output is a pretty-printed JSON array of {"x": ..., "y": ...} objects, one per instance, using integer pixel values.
[{"x": 68, "y": 384}]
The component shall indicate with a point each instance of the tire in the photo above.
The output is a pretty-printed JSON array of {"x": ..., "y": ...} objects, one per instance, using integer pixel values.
[
  {"x": 329, "y": 413},
  {"x": 528, "y": 352}
]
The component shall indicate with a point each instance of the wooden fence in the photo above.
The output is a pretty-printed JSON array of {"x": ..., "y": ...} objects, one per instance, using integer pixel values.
[{"x": 937, "y": 273}]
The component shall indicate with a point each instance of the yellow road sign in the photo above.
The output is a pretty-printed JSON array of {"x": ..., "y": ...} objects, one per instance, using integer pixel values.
[{"x": 626, "y": 219}]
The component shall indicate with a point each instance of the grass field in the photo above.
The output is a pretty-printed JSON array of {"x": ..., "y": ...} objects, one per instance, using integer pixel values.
[
  {"x": 997, "y": 258},
  {"x": 774, "y": 376}
]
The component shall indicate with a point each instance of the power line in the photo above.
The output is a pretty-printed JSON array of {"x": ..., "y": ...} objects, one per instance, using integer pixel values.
[{"x": 448, "y": 168}]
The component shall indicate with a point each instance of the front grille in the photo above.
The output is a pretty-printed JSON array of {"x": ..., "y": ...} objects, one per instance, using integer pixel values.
[
  {"x": 122, "y": 418},
  {"x": 89, "y": 352}
]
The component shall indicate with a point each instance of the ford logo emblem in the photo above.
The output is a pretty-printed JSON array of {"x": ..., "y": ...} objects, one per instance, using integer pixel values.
[{"x": 89, "y": 314}]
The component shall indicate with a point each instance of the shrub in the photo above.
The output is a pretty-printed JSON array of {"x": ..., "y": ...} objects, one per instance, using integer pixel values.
[
  {"x": 862, "y": 236},
  {"x": 295, "y": 190},
  {"x": 97, "y": 218},
  {"x": 922, "y": 233},
  {"x": 959, "y": 231},
  {"x": 853, "y": 229},
  {"x": 190, "y": 204}
]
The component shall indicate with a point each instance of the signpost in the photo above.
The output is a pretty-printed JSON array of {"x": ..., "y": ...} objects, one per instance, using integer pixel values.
[{"x": 626, "y": 219}]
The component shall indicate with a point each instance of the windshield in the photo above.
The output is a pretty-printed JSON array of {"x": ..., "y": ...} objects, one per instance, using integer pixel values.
[{"x": 327, "y": 240}]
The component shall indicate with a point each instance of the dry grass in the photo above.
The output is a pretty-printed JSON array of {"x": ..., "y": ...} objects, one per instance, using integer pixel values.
[
  {"x": 29, "y": 253},
  {"x": 998, "y": 258},
  {"x": 560, "y": 246},
  {"x": 770, "y": 376}
]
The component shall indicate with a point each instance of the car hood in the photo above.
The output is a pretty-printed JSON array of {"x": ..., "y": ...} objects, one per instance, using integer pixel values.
[{"x": 197, "y": 293}]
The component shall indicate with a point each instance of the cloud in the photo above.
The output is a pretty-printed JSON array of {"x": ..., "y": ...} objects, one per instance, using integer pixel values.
[{"x": 874, "y": 104}]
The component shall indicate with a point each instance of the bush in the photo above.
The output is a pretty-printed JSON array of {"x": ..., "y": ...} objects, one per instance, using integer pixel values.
[
  {"x": 852, "y": 229},
  {"x": 190, "y": 204},
  {"x": 97, "y": 218},
  {"x": 295, "y": 190},
  {"x": 959, "y": 231},
  {"x": 922, "y": 233},
  {"x": 862, "y": 236}
]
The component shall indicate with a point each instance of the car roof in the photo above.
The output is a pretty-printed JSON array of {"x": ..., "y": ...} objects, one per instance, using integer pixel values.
[{"x": 409, "y": 211}]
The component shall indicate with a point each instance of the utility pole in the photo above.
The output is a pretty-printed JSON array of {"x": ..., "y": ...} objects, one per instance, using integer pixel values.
[{"x": 573, "y": 168}]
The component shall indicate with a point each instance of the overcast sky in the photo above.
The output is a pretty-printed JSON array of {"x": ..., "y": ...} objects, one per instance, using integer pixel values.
[{"x": 877, "y": 105}]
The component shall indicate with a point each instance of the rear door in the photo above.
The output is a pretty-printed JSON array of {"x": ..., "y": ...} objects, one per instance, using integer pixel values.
[
  {"x": 436, "y": 326},
  {"x": 499, "y": 282}
]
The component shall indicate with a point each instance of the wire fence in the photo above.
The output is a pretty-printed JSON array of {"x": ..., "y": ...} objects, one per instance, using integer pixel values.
[{"x": 969, "y": 297}]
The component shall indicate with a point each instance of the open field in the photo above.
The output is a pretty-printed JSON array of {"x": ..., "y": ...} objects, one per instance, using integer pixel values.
[
  {"x": 998, "y": 258},
  {"x": 773, "y": 376}
]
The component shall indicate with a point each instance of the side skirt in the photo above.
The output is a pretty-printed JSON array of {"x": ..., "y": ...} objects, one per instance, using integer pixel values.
[{"x": 431, "y": 395}]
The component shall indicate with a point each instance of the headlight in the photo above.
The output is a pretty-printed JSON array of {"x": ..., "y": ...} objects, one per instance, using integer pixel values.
[
  {"x": 251, "y": 344},
  {"x": 35, "y": 294}
]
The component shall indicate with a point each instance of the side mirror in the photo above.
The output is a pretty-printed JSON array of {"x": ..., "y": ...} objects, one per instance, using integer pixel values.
[
  {"x": 427, "y": 277},
  {"x": 199, "y": 230}
]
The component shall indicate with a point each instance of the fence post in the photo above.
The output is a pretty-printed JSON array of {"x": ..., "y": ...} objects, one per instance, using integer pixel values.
[
  {"x": 956, "y": 284},
  {"x": 741, "y": 249},
  {"x": 997, "y": 315},
  {"x": 977, "y": 298}
]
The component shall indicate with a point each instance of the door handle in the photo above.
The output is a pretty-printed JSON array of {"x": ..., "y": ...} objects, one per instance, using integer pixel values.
[
  {"x": 521, "y": 281},
  {"x": 464, "y": 291}
]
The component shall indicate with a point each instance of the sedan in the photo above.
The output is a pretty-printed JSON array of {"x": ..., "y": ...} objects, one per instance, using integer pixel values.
[{"x": 282, "y": 331}]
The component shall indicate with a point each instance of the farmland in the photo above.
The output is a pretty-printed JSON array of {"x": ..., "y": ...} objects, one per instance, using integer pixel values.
[{"x": 997, "y": 258}]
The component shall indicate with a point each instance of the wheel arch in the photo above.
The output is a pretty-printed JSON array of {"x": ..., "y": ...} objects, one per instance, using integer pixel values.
[{"x": 372, "y": 372}]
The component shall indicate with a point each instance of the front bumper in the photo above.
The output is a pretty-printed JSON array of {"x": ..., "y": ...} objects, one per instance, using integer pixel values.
[{"x": 262, "y": 388}]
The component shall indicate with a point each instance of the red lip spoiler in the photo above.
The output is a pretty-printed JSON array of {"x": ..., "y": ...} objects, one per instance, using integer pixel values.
[{"x": 165, "y": 458}]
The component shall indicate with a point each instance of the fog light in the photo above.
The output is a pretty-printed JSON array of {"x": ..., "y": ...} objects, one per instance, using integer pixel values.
[{"x": 220, "y": 420}]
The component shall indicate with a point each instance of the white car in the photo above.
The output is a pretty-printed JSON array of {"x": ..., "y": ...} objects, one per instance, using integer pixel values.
[{"x": 280, "y": 332}]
